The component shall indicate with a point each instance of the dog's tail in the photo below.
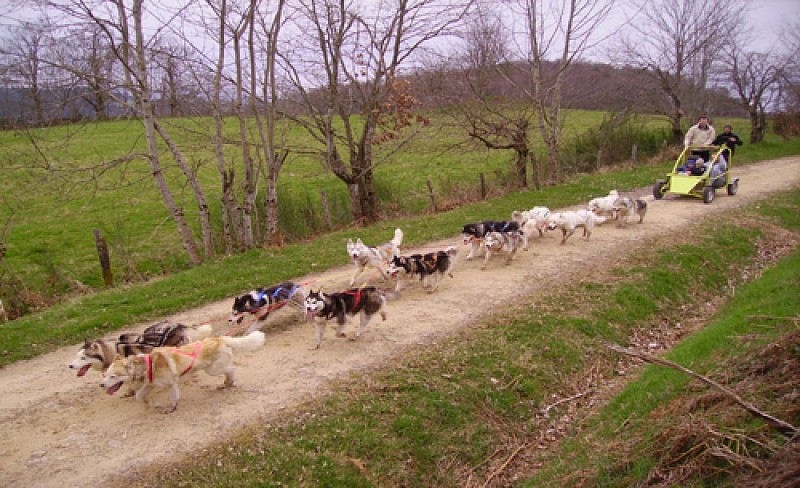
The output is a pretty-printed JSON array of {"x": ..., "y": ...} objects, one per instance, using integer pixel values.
[
  {"x": 200, "y": 332},
  {"x": 398, "y": 238},
  {"x": 249, "y": 343}
]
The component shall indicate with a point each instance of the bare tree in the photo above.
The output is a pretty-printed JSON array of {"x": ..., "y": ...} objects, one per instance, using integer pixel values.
[
  {"x": 360, "y": 50},
  {"x": 677, "y": 42},
  {"x": 248, "y": 32},
  {"x": 123, "y": 28},
  {"x": 790, "y": 76},
  {"x": 565, "y": 29},
  {"x": 755, "y": 79},
  {"x": 25, "y": 52},
  {"x": 270, "y": 23}
]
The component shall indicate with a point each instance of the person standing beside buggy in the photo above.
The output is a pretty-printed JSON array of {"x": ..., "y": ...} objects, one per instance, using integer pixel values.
[
  {"x": 700, "y": 134},
  {"x": 728, "y": 138}
]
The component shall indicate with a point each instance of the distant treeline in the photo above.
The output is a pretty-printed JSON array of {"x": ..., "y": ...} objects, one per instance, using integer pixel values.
[{"x": 588, "y": 86}]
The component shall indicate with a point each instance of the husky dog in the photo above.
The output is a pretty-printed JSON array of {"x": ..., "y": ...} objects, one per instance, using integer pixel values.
[
  {"x": 366, "y": 301},
  {"x": 496, "y": 242},
  {"x": 99, "y": 353},
  {"x": 531, "y": 220},
  {"x": 431, "y": 266},
  {"x": 264, "y": 300},
  {"x": 165, "y": 366},
  {"x": 604, "y": 205},
  {"x": 569, "y": 221},
  {"x": 379, "y": 257},
  {"x": 475, "y": 233},
  {"x": 626, "y": 207}
]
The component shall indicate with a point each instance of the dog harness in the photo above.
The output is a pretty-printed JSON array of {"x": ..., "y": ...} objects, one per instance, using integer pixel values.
[{"x": 148, "y": 360}]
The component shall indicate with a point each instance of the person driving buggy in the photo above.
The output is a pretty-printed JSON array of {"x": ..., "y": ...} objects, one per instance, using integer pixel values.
[{"x": 700, "y": 134}]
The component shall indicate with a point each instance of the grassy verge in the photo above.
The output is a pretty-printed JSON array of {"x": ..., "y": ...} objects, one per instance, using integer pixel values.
[
  {"x": 678, "y": 429},
  {"x": 470, "y": 410}
]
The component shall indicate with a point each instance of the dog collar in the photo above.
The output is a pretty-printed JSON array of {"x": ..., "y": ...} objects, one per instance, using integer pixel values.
[{"x": 148, "y": 361}]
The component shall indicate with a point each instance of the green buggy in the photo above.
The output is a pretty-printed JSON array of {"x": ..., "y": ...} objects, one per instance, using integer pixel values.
[{"x": 695, "y": 177}]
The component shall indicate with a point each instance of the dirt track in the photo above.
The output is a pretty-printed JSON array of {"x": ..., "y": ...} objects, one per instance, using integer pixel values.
[{"x": 63, "y": 431}]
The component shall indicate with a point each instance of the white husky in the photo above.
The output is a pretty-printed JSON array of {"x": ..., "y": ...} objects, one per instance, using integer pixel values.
[
  {"x": 604, "y": 205},
  {"x": 569, "y": 221},
  {"x": 531, "y": 220}
]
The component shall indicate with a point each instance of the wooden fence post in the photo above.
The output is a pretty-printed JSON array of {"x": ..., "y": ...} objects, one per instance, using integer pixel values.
[
  {"x": 3, "y": 314},
  {"x": 432, "y": 195},
  {"x": 105, "y": 261},
  {"x": 483, "y": 187},
  {"x": 599, "y": 160},
  {"x": 634, "y": 152},
  {"x": 326, "y": 211}
]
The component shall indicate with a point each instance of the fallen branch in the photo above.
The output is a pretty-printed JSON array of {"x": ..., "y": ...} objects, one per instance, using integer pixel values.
[
  {"x": 781, "y": 426},
  {"x": 505, "y": 464},
  {"x": 772, "y": 317},
  {"x": 546, "y": 411}
]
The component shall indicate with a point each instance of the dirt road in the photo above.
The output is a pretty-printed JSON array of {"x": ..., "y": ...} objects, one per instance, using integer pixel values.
[{"x": 63, "y": 431}]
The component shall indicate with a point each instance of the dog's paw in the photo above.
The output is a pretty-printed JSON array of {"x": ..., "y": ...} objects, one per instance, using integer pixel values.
[{"x": 166, "y": 409}]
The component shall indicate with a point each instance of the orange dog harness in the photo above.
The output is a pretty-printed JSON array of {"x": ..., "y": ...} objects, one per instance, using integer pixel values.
[{"x": 149, "y": 361}]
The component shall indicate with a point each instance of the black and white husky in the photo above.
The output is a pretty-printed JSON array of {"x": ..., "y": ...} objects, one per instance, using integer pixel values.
[
  {"x": 475, "y": 233},
  {"x": 264, "y": 300},
  {"x": 626, "y": 207},
  {"x": 366, "y": 301},
  {"x": 505, "y": 242},
  {"x": 378, "y": 257},
  {"x": 427, "y": 267}
]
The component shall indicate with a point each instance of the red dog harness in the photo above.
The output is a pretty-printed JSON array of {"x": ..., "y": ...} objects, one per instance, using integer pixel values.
[{"x": 149, "y": 361}]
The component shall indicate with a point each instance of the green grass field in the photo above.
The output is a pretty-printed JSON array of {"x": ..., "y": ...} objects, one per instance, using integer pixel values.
[{"x": 56, "y": 192}]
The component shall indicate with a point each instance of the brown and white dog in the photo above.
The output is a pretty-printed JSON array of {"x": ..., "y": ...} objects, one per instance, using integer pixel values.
[
  {"x": 626, "y": 207},
  {"x": 165, "y": 366},
  {"x": 379, "y": 257}
]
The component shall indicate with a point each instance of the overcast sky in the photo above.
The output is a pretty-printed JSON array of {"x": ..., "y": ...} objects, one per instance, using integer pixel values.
[{"x": 768, "y": 15}]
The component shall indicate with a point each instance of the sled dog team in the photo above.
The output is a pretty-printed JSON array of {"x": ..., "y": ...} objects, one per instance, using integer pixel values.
[{"x": 167, "y": 352}]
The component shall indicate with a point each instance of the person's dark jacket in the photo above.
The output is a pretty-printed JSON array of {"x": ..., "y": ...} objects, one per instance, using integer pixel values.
[{"x": 729, "y": 139}]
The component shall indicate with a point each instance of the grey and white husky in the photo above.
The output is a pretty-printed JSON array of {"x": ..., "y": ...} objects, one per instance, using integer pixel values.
[
  {"x": 626, "y": 207},
  {"x": 378, "y": 257},
  {"x": 366, "y": 301},
  {"x": 506, "y": 242}
]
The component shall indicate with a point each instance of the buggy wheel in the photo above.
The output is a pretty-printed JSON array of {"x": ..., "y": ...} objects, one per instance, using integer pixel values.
[
  {"x": 733, "y": 187},
  {"x": 659, "y": 189},
  {"x": 708, "y": 194}
]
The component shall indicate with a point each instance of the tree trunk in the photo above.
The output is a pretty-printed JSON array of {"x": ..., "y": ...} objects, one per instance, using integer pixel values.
[
  {"x": 522, "y": 168},
  {"x": 199, "y": 194},
  {"x": 148, "y": 119},
  {"x": 535, "y": 171},
  {"x": 227, "y": 175}
]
